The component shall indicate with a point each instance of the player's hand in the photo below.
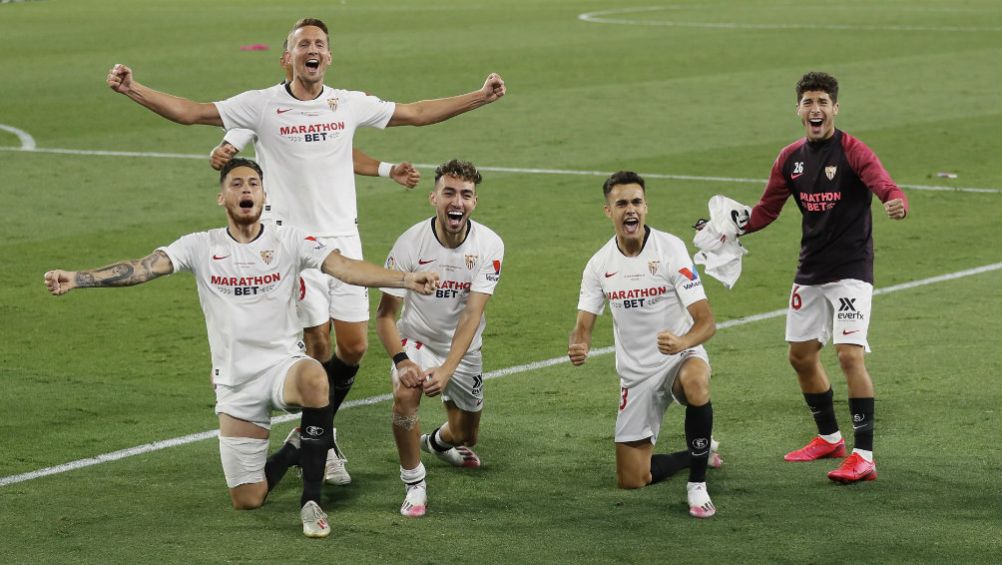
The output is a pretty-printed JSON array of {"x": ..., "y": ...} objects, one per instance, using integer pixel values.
[
  {"x": 221, "y": 154},
  {"x": 435, "y": 380},
  {"x": 422, "y": 282},
  {"x": 895, "y": 209},
  {"x": 410, "y": 374},
  {"x": 578, "y": 353},
  {"x": 119, "y": 79},
  {"x": 405, "y": 174},
  {"x": 59, "y": 282},
  {"x": 670, "y": 344},
  {"x": 494, "y": 87}
]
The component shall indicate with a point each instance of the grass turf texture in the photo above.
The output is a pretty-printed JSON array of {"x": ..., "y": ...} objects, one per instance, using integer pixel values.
[{"x": 103, "y": 370}]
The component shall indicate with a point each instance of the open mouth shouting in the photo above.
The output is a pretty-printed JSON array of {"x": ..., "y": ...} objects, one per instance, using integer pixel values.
[
  {"x": 313, "y": 65},
  {"x": 631, "y": 225},
  {"x": 247, "y": 203},
  {"x": 454, "y": 219}
]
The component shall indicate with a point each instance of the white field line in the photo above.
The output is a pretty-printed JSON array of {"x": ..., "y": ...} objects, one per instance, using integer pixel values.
[
  {"x": 517, "y": 170},
  {"x": 164, "y": 444},
  {"x": 600, "y": 18}
]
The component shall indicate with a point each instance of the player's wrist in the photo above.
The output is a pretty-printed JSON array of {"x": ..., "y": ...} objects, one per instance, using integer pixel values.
[
  {"x": 385, "y": 169},
  {"x": 400, "y": 358}
]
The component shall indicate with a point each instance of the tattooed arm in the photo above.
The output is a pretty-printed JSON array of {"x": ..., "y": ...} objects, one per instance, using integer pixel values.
[{"x": 125, "y": 273}]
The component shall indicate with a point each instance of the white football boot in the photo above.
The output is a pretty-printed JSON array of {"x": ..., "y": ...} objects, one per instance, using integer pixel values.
[
  {"x": 335, "y": 472},
  {"x": 314, "y": 519},
  {"x": 459, "y": 456},
  {"x": 416, "y": 502}
]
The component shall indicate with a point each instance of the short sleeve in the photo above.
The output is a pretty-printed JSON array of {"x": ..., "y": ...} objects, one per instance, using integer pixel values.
[
  {"x": 398, "y": 259},
  {"x": 591, "y": 298},
  {"x": 310, "y": 251},
  {"x": 489, "y": 272},
  {"x": 242, "y": 111},
  {"x": 183, "y": 253},
  {"x": 371, "y": 111},
  {"x": 683, "y": 277},
  {"x": 239, "y": 138}
]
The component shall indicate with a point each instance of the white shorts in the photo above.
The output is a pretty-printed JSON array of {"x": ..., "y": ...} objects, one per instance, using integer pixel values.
[
  {"x": 642, "y": 407},
  {"x": 465, "y": 388},
  {"x": 322, "y": 297},
  {"x": 254, "y": 400},
  {"x": 838, "y": 310}
]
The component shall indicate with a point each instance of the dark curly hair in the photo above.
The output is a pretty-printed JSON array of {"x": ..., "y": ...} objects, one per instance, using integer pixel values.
[
  {"x": 814, "y": 80},
  {"x": 459, "y": 169}
]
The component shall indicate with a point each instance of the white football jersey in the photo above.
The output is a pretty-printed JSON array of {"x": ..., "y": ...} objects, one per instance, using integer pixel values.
[
  {"x": 648, "y": 294},
  {"x": 304, "y": 148},
  {"x": 248, "y": 293},
  {"x": 474, "y": 266}
]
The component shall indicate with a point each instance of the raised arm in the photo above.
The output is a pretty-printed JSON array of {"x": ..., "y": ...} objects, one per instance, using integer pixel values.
[
  {"x": 363, "y": 273},
  {"x": 125, "y": 273},
  {"x": 579, "y": 342},
  {"x": 174, "y": 108},
  {"x": 703, "y": 328},
  {"x": 427, "y": 112},
  {"x": 469, "y": 320},
  {"x": 403, "y": 173}
]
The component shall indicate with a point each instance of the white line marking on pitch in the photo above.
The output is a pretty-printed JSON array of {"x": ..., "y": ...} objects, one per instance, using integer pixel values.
[
  {"x": 164, "y": 444},
  {"x": 517, "y": 170},
  {"x": 598, "y": 18}
]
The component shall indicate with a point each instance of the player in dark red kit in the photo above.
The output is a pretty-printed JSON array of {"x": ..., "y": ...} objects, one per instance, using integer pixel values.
[{"x": 832, "y": 177}]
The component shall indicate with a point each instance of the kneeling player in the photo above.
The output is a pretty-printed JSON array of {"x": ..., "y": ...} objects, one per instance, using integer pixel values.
[
  {"x": 436, "y": 344},
  {"x": 661, "y": 317},
  {"x": 247, "y": 278}
]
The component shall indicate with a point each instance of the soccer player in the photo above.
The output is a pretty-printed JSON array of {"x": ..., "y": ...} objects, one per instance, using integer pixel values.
[
  {"x": 832, "y": 177},
  {"x": 305, "y": 132},
  {"x": 236, "y": 139},
  {"x": 247, "y": 281},
  {"x": 336, "y": 470},
  {"x": 661, "y": 318},
  {"x": 435, "y": 345}
]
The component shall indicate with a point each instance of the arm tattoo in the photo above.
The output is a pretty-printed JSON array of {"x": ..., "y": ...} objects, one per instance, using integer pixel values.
[{"x": 127, "y": 273}]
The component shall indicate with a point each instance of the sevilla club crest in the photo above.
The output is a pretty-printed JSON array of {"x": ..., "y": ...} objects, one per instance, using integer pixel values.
[
  {"x": 830, "y": 172},
  {"x": 267, "y": 256}
]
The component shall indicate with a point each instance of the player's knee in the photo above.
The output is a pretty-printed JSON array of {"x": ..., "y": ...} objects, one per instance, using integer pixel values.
[
  {"x": 802, "y": 361},
  {"x": 352, "y": 350},
  {"x": 243, "y": 499},
  {"x": 695, "y": 383},
  {"x": 850, "y": 357},
  {"x": 313, "y": 388},
  {"x": 633, "y": 480},
  {"x": 406, "y": 401}
]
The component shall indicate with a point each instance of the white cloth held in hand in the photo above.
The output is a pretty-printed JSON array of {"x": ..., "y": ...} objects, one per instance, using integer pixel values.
[{"x": 719, "y": 249}]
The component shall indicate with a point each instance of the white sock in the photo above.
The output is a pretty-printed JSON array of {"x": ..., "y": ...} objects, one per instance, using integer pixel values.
[
  {"x": 412, "y": 476},
  {"x": 832, "y": 438},
  {"x": 865, "y": 454}
]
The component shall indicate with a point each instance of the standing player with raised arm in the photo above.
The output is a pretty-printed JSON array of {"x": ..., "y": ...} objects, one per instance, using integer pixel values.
[
  {"x": 435, "y": 345},
  {"x": 305, "y": 132},
  {"x": 832, "y": 177},
  {"x": 246, "y": 275},
  {"x": 661, "y": 318}
]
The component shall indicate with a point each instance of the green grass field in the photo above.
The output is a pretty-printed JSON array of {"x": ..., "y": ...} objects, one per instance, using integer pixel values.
[{"x": 680, "y": 91}]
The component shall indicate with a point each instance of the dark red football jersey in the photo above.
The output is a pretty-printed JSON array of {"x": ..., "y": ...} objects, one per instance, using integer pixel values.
[{"x": 833, "y": 182}]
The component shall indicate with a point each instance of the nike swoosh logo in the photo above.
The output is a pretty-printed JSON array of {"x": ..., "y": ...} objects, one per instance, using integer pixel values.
[
  {"x": 847, "y": 332},
  {"x": 281, "y": 111},
  {"x": 218, "y": 257},
  {"x": 607, "y": 275},
  {"x": 425, "y": 261},
  {"x": 795, "y": 177}
]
